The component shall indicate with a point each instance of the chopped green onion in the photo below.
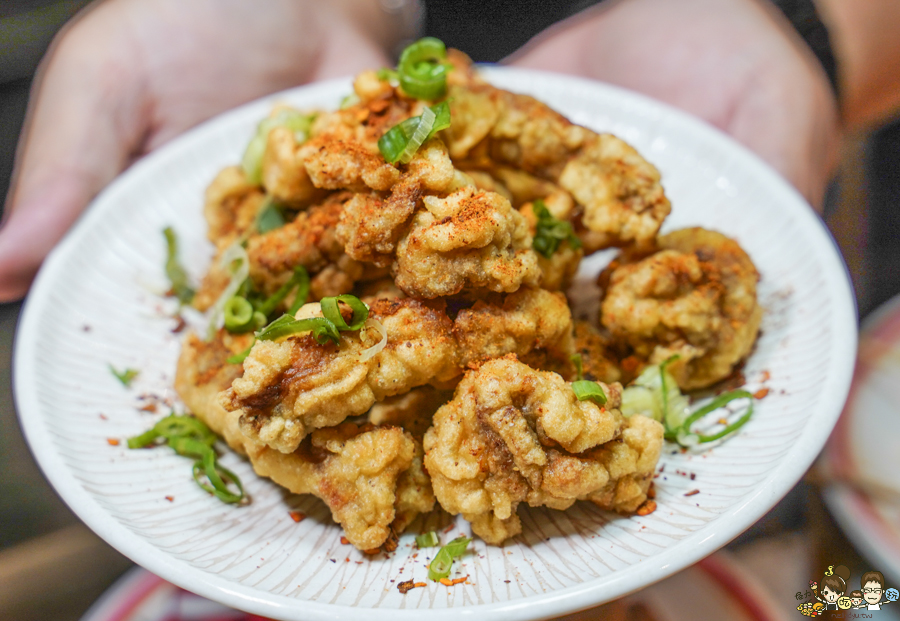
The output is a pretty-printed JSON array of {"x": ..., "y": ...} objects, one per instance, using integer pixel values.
[
  {"x": 174, "y": 270},
  {"x": 240, "y": 316},
  {"x": 323, "y": 330},
  {"x": 333, "y": 314},
  {"x": 218, "y": 476},
  {"x": 189, "y": 437},
  {"x": 297, "y": 122},
  {"x": 655, "y": 394},
  {"x": 269, "y": 217},
  {"x": 125, "y": 376},
  {"x": 443, "y": 561},
  {"x": 714, "y": 405},
  {"x": 579, "y": 366},
  {"x": 239, "y": 358},
  {"x": 300, "y": 280},
  {"x": 387, "y": 75},
  {"x": 422, "y": 70},
  {"x": 586, "y": 389},
  {"x": 235, "y": 259},
  {"x": 427, "y": 540},
  {"x": 400, "y": 143},
  {"x": 550, "y": 232}
]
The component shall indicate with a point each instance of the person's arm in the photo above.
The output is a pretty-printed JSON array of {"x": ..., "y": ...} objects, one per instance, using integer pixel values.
[
  {"x": 735, "y": 63},
  {"x": 866, "y": 38},
  {"x": 128, "y": 75}
]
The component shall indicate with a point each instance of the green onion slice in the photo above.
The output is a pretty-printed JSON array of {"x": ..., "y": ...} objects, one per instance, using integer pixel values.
[
  {"x": 189, "y": 437},
  {"x": 269, "y": 217},
  {"x": 714, "y": 405},
  {"x": 443, "y": 561},
  {"x": 550, "y": 232},
  {"x": 294, "y": 120},
  {"x": 125, "y": 375},
  {"x": 422, "y": 70},
  {"x": 239, "y": 315},
  {"x": 239, "y": 358},
  {"x": 174, "y": 270},
  {"x": 322, "y": 329},
  {"x": 427, "y": 540},
  {"x": 400, "y": 143},
  {"x": 235, "y": 259},
  {"x": 218, "y": 476},
  {"x": 300, "y": 280},
  {"x": 333, "y": 314},
  {"x": 586, "y": 389},
  {"x": 579, "y": 365},
  {"x": 387, "y": 75}
]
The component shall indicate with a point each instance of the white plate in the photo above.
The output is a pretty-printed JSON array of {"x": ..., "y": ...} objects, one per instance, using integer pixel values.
[
  {"x": 256, "y": 558},
  {"x": 864, "y": 446},
  {"x": 718, "y": 587}
]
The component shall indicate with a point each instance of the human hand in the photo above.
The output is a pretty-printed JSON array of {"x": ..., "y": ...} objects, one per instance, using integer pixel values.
[
  {"x": 131, "y": 74},
  {"x": 734, "y": 63}
]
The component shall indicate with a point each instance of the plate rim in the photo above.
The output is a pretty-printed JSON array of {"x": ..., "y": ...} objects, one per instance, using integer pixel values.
[{"x": 591, "y": 593}]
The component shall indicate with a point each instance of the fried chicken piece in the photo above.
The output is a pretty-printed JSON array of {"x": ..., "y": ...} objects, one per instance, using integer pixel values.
[
  {"x": 512, "y": 434},
  {"x": 412, "y": 411},
  {"x": 696, "y": 298},
  {"x": 308, "y": 241},
  {"x": 538, "y": 319},
  {"x": 371, "y": 478},
  {"x": 202, "y": 372},
  {"x": 294, "y": 386},
  {"x": 598, "y": 362},
  {"x": 371, "y": 226},
  {"x": 231, "y": 206},
  {"x": 284, "y": 175},
  {"x": 619, "y": 192},
  {"x": 467, "y": 241}
]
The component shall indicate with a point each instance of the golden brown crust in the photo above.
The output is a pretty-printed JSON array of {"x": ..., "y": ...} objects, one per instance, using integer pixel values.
[
  {"x": 512, "y": 434},
  {"x": 696, "y": 298}
]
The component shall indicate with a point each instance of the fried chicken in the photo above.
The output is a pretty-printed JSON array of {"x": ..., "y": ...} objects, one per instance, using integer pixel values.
[
  {"x": 371, "y": 478},
  {"x": 695, "y": 298},
  {"x": 469, "y": 240},
  {"x": 292, "y": 387},
  {"x": 202, "y": 372},
  {"x": 619, "y": 192},
  {"x": 512, "y": 434}
]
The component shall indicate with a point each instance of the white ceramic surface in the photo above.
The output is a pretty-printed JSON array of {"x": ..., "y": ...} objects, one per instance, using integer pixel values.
[
  {"x": 863, "y": 455},
  {"x": 93, "y": 304}
]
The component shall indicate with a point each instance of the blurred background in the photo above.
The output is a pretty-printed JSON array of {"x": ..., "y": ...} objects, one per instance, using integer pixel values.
[{"x": 52, "y": 567}]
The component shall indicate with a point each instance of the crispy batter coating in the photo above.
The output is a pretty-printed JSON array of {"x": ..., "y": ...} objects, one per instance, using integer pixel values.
[
  {"x": 202, "y": 372},
  {"x": 523, "y": 323},
  {"x": 619, "y": 192},
  {"x": 412, "y": 411},
  {"x": 309, "y": 241},
  {"x": 598, "y": 362},
  {"x": 512, "y": 434},
  {"x": 469, "y": 240},
  {"x": 284, "y": 175},
  {"x": 292, "y": 387},
  {"x": 696, "y": 297},
  {"x": 231, "y": 206},
  {"x": 372, "y": 225},
  {"x": 370, "y": 477}
]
